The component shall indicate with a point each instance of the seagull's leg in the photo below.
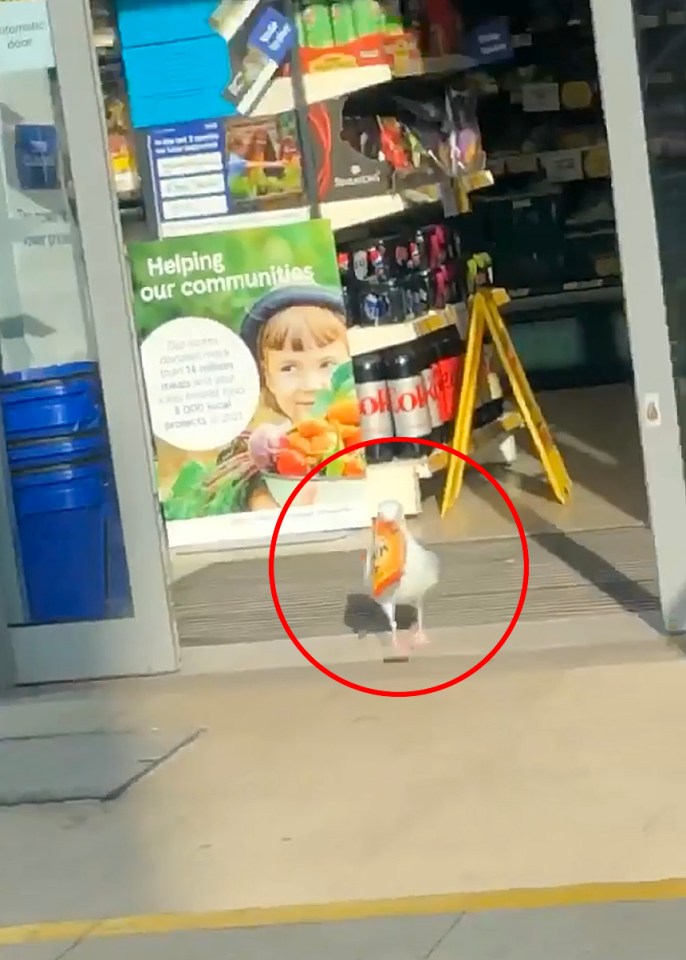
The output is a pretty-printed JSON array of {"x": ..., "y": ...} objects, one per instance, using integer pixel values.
[
  {"x": 420, "y": 638},
  {"x": 389, "y": 610}
]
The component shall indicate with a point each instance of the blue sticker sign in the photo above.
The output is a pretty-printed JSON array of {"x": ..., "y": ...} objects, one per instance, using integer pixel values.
[
  {"x": 491, "y": 41},
  {"x": 273, "y": 35},
  {"x": 36, "y": 156}
]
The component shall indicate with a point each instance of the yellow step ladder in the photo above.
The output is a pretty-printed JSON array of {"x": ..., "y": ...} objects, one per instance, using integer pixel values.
[{"x": 485, "y": 317}]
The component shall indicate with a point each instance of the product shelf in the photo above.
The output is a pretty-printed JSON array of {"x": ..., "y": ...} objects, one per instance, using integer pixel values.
[
  {"x": 557, "y": 166},
  {"x": 372, "y": 339},
  {"x": 324, "y": 85},
  {"x": 344, "y": 214},
  {"x": 319, "y": 86},
  {"x": 400, "y": 476},
  {"x": 433, "y": 66},
  {"x": 591, "y": 291},
  {"x": 403, "y": 478},
  {"x": 676, "y": 17}
]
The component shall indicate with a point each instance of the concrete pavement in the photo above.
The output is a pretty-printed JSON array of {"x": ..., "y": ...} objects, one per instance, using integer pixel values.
[
  {"x": 632, "y": 931},
  {"x": 543, "y": 770}
]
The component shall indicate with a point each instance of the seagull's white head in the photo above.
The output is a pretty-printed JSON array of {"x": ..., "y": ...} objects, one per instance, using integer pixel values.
[{"x": 391, "y": 510}]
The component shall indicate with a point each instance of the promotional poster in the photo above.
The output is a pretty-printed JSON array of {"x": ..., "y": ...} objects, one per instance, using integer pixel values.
[{"x": 249, "y": 382}]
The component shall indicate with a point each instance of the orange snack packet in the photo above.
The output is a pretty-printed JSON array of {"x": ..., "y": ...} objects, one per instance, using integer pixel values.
[{"x": 390, "y": 550}]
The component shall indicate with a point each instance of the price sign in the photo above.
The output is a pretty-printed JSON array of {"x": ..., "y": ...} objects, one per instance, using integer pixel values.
[
  {"x": 522, "y": 163},
  {"x": 541, "y": 97},
  {"x": 561, "y": 166}
]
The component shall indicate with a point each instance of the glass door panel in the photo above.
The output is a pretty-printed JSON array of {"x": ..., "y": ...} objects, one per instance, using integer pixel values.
[{"x": 82, "y": 567}]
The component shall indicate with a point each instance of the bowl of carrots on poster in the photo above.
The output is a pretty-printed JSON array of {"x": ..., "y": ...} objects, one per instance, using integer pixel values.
[{"x": 333, "y": 426}]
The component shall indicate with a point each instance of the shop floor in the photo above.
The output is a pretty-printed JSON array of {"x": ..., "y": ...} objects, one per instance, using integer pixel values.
[{"x": 572, "y": 574}]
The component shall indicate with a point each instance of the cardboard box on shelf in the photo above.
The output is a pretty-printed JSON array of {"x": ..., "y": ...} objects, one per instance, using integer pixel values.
[
  {"x": 200, "y": 59},
  {"x": 361, "y": 157},
  {"x": 151, "y": 22}
]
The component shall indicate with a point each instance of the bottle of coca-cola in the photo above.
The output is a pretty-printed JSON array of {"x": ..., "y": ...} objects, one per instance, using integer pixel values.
[
  {"x": 409, "y": 401},
  {"x": 441, "y": 384},
  {"x": 450, "y": 349},
  {"x": 425, "y": 347},
  {"x": 376, "y": 422}
]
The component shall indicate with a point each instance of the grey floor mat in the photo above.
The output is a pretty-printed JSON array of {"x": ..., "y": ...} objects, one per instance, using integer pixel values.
[
  {"x": 576, "y": 574},
  {"x": 98, "y": 765}
]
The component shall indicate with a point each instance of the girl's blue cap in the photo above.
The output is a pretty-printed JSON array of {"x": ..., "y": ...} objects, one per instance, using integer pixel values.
[{"x": 277, "y": 300}]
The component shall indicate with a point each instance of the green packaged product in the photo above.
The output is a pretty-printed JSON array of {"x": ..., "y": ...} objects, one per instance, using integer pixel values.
[
  {"x": 343, "y": 22},
  {"x": 317, "y": 26},
  {"x": 368, "y": 17},
  {"x": 392, "y": 17},
  {"x": 300, "y": 28}
]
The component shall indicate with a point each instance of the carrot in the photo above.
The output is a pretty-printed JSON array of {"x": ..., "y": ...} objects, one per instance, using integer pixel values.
[
  {"x": 289, "y": 463},
  {"x": 312, "y": 428},
  {"x": 350, "y": 435},
  {"x": 345, "y": 412},
  {"x": 322, "y": 443},
  {"x": 301, "y": 444}
]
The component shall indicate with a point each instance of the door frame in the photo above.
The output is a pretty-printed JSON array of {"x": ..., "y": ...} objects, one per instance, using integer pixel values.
[
  {"x": 620, "y": 78},
  {"x": 147, "y": 642}
]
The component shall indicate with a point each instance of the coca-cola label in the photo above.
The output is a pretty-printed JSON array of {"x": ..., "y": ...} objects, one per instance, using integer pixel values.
[
  {"x": 376, "y": 422},
  {"x": 409, "y": 406},
  {"x": 443, "y": 389},
  {"x": 454, "y": 367},
  {"x": 450, "y": 386},
  {"x": 432, "y": 398}
]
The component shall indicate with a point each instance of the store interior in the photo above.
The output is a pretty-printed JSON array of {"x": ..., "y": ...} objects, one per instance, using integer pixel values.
[
  {"x": 547, "y": 222},
  {"x": 355, "y": 147}
]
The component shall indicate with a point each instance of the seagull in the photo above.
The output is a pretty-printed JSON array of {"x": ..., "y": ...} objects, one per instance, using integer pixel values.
[{"x": 398, "y": 569}]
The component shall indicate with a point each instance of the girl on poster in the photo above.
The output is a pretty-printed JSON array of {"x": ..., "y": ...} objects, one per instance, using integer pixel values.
[{"x": 308, "y": 405}]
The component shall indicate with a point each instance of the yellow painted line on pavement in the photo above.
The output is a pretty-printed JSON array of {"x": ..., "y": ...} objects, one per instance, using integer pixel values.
[{"x": 477, "y": 902}]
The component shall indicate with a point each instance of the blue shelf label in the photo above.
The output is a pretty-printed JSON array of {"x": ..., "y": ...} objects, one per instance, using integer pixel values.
[
  {"x": 273, "y": 35},
  {"x": 491, "y": 41}
]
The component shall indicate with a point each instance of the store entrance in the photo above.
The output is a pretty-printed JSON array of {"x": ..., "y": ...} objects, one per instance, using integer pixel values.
[{"x": 548, "y": 223}]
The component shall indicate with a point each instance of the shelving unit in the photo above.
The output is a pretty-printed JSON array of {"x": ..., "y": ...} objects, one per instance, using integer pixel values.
[{"x": 556, "y": 142}]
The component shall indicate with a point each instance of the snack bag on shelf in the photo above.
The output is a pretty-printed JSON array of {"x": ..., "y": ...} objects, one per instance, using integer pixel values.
[
  {"x": 120, "y": 138},
  {"x": 467, "y": 155},
  {"x": 445, "y": 129}
]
